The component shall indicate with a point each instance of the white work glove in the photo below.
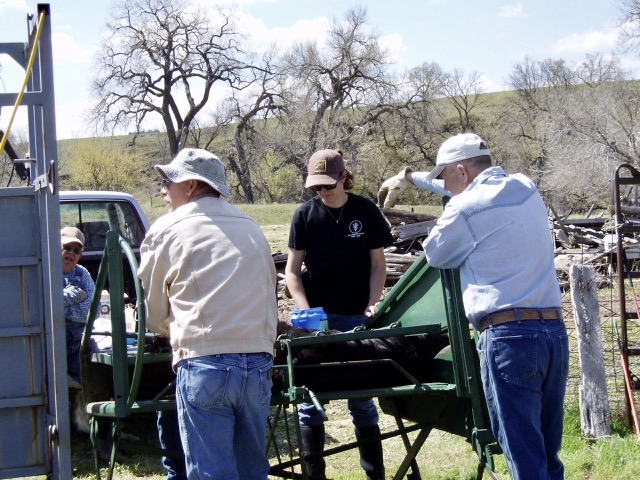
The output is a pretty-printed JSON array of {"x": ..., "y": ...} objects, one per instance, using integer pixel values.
[
  {"x": 73, "y": 294},
  {"x": 392, "y": 188}
]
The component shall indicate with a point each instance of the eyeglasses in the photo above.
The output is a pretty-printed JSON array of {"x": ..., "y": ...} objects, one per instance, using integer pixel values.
[
  {"x": 70, "y": 248},
  {"x": 317, "y": 188},
  {"x": 166, "y": 182}
]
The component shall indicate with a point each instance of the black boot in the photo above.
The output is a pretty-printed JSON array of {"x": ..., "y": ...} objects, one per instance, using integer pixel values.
[
  {"x": 313, "y": 442},
  {"x": 371, "y": 459}
]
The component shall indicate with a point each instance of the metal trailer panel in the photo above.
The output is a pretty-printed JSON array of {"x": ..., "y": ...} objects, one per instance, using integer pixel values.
[
  {"x": 23, "y": 402},
  {"x": 34, "y": 404}
]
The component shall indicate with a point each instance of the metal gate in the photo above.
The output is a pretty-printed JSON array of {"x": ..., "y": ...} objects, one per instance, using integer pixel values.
[{"x": 34, "y": 412}]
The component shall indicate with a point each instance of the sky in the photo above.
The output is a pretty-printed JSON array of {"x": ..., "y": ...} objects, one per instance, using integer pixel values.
[{"x": 484, "y": 36}]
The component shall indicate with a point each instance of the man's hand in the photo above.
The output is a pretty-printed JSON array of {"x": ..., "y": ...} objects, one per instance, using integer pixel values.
[{"x": 392, "y": 188}]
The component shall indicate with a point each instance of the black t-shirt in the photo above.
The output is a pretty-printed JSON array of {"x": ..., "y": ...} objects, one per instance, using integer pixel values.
[{"x": 337, "y": 243}]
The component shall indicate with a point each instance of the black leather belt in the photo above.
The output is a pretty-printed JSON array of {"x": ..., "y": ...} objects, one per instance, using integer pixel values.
[{"x": 518, "y": 314}]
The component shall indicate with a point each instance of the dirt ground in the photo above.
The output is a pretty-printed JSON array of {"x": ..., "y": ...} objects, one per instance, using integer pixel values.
[{"x": 285, "y": 305}]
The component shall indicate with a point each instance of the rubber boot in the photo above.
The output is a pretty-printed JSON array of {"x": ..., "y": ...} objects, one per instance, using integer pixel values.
[
  {"x": 371, "y": 459},
  {"x": 313, "y": 442}
]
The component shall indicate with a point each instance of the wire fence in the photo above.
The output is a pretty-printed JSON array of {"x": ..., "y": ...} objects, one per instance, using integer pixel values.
[{"x": 609, "y": 314}]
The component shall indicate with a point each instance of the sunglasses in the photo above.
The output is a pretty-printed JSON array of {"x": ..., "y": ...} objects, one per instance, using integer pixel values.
[
  {"x": 71, "y": 248},
  {"x": 317, "y": 188},
  {"x": 166, "y": 182}
]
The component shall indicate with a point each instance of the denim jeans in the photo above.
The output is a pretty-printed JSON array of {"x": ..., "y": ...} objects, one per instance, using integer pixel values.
[
  {"x": 223, "y": 406},
  {"x": 169, "y": 437},
  {"x": 363, "y": 411},
  {"x": 74, "y": 333},
  {"x": 524, "y": 373}
]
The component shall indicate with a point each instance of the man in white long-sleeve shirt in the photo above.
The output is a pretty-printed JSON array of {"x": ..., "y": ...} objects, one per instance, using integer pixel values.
[{"x": 494, "y": 229}]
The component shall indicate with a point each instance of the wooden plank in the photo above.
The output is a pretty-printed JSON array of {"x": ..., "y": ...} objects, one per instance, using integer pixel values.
[
  {"x": 396, "y": 217},
  {"x": 413, "y": 230},
  {"x": 400, "y": 258}
]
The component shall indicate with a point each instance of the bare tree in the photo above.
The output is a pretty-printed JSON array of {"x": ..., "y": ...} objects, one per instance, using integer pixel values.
[
  {"x": 265, "y": 98},
  {"x": 597, "y": 68},
  {"x": 204, "y": 132},
  {"x": 17, "y": 146},
  {"x": 162, "y": 58},
  {"x": 411, "y": 126},
  {"x": 541, "y": 89},
  {"x": 335, "y": 81},
  {"x": 463, "y": 92},
  {"x": 629, "y": 23},
  {"x": 575, "y": 122}
]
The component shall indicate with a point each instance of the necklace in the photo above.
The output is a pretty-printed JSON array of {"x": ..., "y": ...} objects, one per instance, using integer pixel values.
[{"x": 329, "y": 211}]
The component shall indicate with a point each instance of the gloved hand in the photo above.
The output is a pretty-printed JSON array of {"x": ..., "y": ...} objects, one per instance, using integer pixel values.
[
  {"x": 312, "y": 318},
  {"x": 73, "y": 294},
  {"x": 392, "y": 188}
]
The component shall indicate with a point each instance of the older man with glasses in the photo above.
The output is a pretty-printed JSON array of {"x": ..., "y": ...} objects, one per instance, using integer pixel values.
[
  {"x": 495, "y": 230},
  {"x": 78, "y": 287},
  {"x": 210, "y": 286}
]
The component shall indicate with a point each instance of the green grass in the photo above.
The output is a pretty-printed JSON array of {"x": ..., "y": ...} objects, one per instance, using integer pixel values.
[
  {"x": 615, "y": 457},
  {"x": 443, "y": 457},
  {"x": 274, "y": 213},
  {"x": 273, "y": 219}
]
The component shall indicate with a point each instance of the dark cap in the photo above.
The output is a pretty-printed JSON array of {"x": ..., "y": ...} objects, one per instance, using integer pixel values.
[{"x": 325, "y": 167}]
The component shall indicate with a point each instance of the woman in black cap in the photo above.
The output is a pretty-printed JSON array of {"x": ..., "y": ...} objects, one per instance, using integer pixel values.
[{"x": 340, "y": 237}]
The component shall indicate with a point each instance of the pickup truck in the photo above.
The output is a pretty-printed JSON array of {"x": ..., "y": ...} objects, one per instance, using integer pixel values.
[{"x": 95, "y": 213}]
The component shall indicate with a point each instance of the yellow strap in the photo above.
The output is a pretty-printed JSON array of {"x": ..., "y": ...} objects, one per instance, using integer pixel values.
[{"x": 32, "y": 58}]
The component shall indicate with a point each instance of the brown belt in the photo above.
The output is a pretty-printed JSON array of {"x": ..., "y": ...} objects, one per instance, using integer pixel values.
[{"x": 517, "y": 314}]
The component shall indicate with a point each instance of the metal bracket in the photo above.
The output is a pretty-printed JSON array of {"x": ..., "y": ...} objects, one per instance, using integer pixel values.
[
  {"x": 41, "y": 182},
  {"x": 46, "y": 180}
]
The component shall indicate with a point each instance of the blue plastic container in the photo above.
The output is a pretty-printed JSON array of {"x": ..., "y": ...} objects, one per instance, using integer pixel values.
[{"x": 311, "y": 318}]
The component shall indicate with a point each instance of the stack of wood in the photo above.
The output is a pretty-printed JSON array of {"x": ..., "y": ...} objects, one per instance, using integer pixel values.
[
  {"x": 280, "y": 261},
  {"x": 408, "y": 230},
  {"x": 397, "y": 264}
]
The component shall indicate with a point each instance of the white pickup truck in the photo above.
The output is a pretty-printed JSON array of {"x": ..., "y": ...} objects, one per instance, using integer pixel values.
[{"x": 95, "y": 213}]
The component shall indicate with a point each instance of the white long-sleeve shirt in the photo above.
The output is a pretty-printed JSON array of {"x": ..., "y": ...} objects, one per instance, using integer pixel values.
[{"x": 496, "y": 232}]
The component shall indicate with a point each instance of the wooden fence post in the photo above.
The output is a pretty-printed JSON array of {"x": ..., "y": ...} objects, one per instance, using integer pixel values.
[{"x": 595, "y": 413}]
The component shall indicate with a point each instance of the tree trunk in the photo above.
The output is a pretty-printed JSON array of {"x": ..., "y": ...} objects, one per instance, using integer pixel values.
[{"x": 595, "y": 415}]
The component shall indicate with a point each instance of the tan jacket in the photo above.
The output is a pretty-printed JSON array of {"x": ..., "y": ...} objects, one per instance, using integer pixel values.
[{"x": 209, "y": 281}]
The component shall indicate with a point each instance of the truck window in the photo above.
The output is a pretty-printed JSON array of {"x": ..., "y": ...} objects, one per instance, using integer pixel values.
[{"x": 95, "y": 219}]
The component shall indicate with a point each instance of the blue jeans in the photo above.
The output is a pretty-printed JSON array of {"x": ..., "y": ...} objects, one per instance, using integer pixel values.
[
  {"x": 223, "y": 407},
  {"x": 363, "y": 411},
  {"x": 74, "y": 333},
  {"x": 524, "y": 373},
  {"x": 169, "y": 436}
]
